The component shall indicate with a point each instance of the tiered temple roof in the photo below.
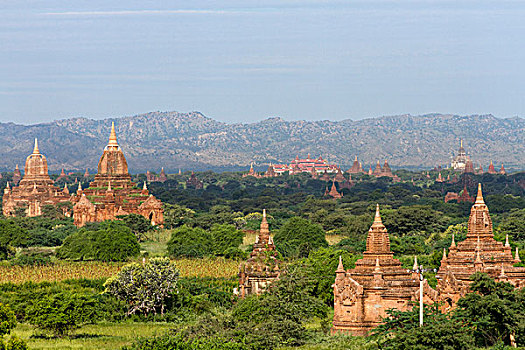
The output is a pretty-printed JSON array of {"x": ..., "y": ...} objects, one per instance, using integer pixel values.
[
  {"x": 479, "y": 252},
  {"x": 460, "y": 160},
  {"x": 113, "y": 193},
  {"x": 262, "y": 267},
  {"x": 377, "y": 283}
]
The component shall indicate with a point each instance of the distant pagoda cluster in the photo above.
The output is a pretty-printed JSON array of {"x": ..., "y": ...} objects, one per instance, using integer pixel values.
[
  {"x": 162, "y": 177},
  {"x": 319, "y": 168},
  {"x": 112, "y": 193},
  {"x": 462, "y": 162},
  {"x": 378, "y": 282}
]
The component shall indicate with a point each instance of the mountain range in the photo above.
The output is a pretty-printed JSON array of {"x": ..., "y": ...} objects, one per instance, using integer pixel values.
[{"x": 192, "y": 141}]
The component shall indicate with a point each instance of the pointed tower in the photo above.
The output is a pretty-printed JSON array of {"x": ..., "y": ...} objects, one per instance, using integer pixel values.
[
  {"x": 333, "y": 192},
  {"x": 386, "y": 170},
  {"x": 17, "y": 176},
  {"x": 261, "y": 269},
  {"x": 479, "y": 252},
  {"x": 502, "y": 170},
  {"x": 62, "y": 175},
  {"x": 86, "y": 174},
  {"x": 356, "y": 167},
  {"x": 378, "y": 282},
  {"x": 491, "y": 169},
  {"x": 378, "y": 170}
]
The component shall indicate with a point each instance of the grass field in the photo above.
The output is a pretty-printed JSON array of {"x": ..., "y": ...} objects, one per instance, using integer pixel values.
[
  {"x": 96, "y": 337},
  {"x": 63, "y": 270}
]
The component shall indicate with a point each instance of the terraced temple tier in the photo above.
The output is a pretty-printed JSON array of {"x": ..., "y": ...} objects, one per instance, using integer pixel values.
[
  {"x": 479, "y": 252},
  {"x": 112, "y": 193}
]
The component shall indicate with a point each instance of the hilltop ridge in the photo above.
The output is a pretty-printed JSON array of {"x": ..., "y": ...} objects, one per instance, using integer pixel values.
[{"x": 194, "y": 141}]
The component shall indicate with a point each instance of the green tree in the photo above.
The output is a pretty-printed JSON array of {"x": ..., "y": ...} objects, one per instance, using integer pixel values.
[
  {"x": 298, "y": 236},
  {"x": 190, "y": 242},
  {"x": 112, "y": 242},
  {"x": 144, "y": 287},
  {"x": 176, "y": 215},
  {"x": 60, "y": 313},
  {"x": 225, "y": 238},
  {"x": 494, "y": 308},
  {"x": 440, "y": 331},
  {"x": 416, "y": 218},
  {"x": 138, "y": 224},
  {"x": 7, "y": 320},
  {"x": 513, "y": 225}
]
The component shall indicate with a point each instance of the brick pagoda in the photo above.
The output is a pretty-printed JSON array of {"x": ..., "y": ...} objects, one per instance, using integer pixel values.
[
  {"x": 479, "y": 252},
  {"x": 261, "y": 268},
  {"x": 35, "y": 190},
  {"x": 112, "y": 193},
  {"x": 378, "y": 282}
]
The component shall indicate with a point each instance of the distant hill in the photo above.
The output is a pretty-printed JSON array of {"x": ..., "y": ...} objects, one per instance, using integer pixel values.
[{"x": 193, "y": 141}]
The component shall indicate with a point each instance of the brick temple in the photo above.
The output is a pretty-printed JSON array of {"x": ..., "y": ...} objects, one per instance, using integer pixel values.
[
  {"x": 377, "y": 283},
  {"x": 261, "y": 268},
  {"x": 479, "y": 252},
  {"x": 35, "y": 190},
  {"x": 112, "y": 193}
]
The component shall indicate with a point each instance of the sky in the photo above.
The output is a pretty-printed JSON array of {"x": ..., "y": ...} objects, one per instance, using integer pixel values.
[{"x": 244, "y": 61}]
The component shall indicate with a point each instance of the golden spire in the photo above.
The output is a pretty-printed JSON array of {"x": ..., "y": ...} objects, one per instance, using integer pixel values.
[
  {"x": 79, "y": 187},
  {"x": 479, "y": 197},
  {"x": 415, "y": 263},
  {"x": 144, "y": 187},
  {"x": 109, "y": 186},
  {"x": 356, "y": 157},
  {"x": 507, "y": 240},
  {"x": 453, "y": 244},
  {"x": 517, "y": 256},
  {"x": 460, "y": 142},
  {"x": 113, "y": 136},
  {"x": 36, "y": 150},
  {"x": 444, "y": 254}
]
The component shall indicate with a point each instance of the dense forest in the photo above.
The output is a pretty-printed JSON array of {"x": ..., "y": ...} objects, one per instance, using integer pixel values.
[{"x": 215, "y": 226}]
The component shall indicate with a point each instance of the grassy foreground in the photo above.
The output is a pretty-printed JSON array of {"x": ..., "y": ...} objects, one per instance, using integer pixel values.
[{"x": 96, "y": 337}]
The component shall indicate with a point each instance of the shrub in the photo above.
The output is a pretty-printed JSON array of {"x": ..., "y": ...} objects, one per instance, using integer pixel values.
[
  {"x": 62, "y": 312},
  {"x": 190, "y": 242},
  {"x": 138, "y": 224},
  {"x": 144, "y": 287},
  {"x": 112, "y": 242},
  {"x": 298, "y": 236}
]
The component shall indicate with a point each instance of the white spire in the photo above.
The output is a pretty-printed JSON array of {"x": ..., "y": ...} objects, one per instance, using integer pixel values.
[{"x": 144, "y": 187}]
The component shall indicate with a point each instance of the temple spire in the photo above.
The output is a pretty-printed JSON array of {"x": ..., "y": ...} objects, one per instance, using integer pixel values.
[
  {"x": 113, "y": 136},
  {"x": 453, "y": 244},
  {"x": 109, "y": 186},
  {"x": 35, "y": 149},
  {"x": 340, "y": 267},
  {"x": 377, "y": 218},
  {"x": 444, "y": 254},
  {"x": 479, "y": 197},
  {"x": 517, "y": 256},
  {"x": 144, "y": 187},
  {"x": 415, "y": 267},
  {"x": 507, "y": 240}
]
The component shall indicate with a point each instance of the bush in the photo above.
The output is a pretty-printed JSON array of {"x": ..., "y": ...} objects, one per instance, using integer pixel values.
[
  {"x": 298, "y": 236},
  {"x": 7, "y": 320},
  {"x": 145, "y": 287},
  {"x": 112, "y": 242},
  {"x": 138, "y": 224},
  {"x": 190, "y": 242},
  {"x": 177, "y": 342},
  {"x": 60, "y": 313},
  {"x": 225, "y": 238}
]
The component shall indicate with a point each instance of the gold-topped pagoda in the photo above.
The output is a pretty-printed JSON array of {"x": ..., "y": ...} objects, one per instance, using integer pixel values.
[{"x": 113, "y": 193}]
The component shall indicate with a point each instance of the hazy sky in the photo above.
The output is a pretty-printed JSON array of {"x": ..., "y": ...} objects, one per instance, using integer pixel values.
[{"x": 242, "y": 61}]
